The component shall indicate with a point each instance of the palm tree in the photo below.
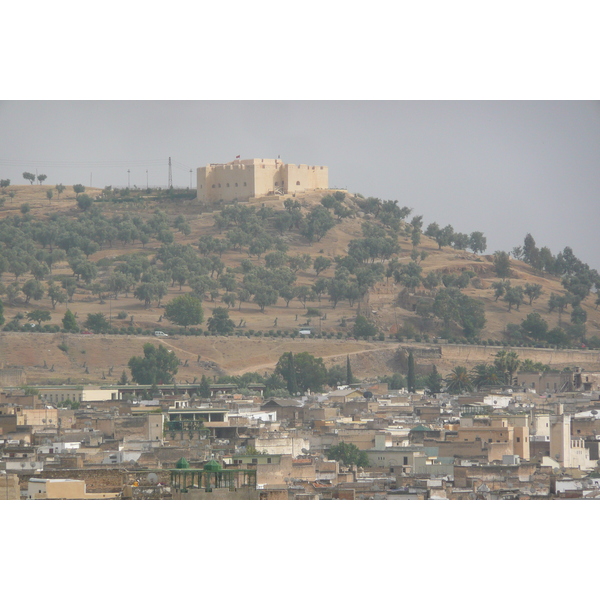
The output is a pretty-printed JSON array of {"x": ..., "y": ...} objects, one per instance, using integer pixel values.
[
  {"x": 458, "y": 380},
  {"x": 507, "y": 363},
  {"x": 484, "y": 375}
]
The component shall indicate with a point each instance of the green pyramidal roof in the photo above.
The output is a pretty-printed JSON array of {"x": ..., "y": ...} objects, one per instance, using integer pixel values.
[
  {"x": 182, "y": 464},
  {"x": 212, "y": 465}
]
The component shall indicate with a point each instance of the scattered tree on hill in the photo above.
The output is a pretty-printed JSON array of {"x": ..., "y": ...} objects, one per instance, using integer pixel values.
[
  {"x": 78, "y": 189},
  {"x": 41, "y": 178},
  {"x": 477, "y": 242},
  {"x": 69, "y": 322},
  {"x": 97, "y": 322},
  {"x": 38, "y": 316},
  {"x": 60, "y": 188},
  {"x": 157, "y": 366},
  {"x": 364, "y": 328},
  {"x": 514, "y": 297},
  {"x": 49, "y": 194},
  {"x": 220, "y": 323},
  {"x": 535, "y": 326},
  {"x": 32, "y": 289},
  {"x": 533, "y": 291},
  {"x": 29, "y": 177},
  {"x": 185, "y": 310},
  {"x": 4, "y": 183},
  {"x": 84, "y": 201},
  {"x": 502, "y": 264}
]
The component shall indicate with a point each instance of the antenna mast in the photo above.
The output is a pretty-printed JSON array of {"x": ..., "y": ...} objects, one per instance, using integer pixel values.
[{"x": 170, "y": 174}]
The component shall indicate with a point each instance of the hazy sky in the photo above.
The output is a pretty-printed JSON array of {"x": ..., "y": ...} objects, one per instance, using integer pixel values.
[{"x": 506, "y": 168}]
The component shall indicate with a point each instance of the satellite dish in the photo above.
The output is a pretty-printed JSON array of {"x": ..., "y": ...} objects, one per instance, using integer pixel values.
[{"x": 152, "y": 478}]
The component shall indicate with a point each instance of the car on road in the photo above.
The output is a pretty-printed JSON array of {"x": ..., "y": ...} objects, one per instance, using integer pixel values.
[{"x": 161, "y": 334}]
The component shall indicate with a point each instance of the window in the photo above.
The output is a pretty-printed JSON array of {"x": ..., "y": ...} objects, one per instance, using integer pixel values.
[
  {"x": 255, "y": 461},
  {"x": 244, "y": 184},
  {"x": 297, "y": 183},
  {"x": 518, "y": 440},
  {"x": 236, "y": 185},
  {"x": 405, "y": 460}
]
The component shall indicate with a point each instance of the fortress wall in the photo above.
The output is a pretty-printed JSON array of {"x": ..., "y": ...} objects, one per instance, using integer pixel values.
[
  {"x": 244, "y": 179},
  {"x": 304, "y": 177}
]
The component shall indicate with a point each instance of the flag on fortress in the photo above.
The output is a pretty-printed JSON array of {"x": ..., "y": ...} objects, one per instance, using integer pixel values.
[{"x": 238, "y": 156}]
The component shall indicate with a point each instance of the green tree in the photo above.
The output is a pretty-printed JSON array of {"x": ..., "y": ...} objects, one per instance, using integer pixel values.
[
  {"x": 434, "y": 381},
  {"x": 348, "y": 454},
  {"x": 363, "y": 327},
  {"x": 97, "y": 322},
  {"x": 38, "y": 316},
  {"x": 4, "y": 183},
  {"x": 84, "y": 202},
  {"x": 535, "y": 326},
  {"x": 158, "y": 366},
  {"x": 265, "y": 296},
  {"x": 411, "y": 378},
  {"x": 533, "y": 291},
  {"x": 49, "y": 194},
  {"x": 185, "y": 310},
  {"x": 41, "y": 178},
  {"x": 514, "y": 296},
  {"x": 458, "y": 381},
  {"x": 507, "y": 363},
  {"x": 477, "y": 242},
  {"x": 1, "y": 313},
  {"x": 502, "y": 264},
  {"x": 32, "y": 289},
  {"x": 220, "y": 323},
  {"x": 306, "y": 370},
  {"x": 69, "y": 322},
  {"x": 78, "y": 189},
  {"x": 320, "y": 264},
  {"x": 60, "y": 188},
  {"x": 486, "y": 375},
  {"x": 29, "y": 177},
  {"x": 349, "y": 376},
  {"x": 204, "y": 389}
]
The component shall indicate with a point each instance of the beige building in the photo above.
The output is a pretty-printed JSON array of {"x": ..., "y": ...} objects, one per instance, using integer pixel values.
[
  {"x": 245, "y": 179},
  {"x": 63, "y": 489}
]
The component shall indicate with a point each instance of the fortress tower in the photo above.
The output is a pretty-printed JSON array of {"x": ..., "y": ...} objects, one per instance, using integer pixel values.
[{"x": 244, "y": 179}]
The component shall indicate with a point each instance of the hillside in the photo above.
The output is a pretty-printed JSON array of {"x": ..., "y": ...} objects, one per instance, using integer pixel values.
[{"x": 237, "y": 353}]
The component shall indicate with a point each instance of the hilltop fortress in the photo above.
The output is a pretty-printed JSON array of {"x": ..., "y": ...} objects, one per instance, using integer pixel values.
[{"x": 245, "y": 179}]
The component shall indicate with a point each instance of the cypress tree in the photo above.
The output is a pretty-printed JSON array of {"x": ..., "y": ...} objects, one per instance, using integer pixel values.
[
  {"x": 349, "y": 376},
  {"x": 292, "y": 382},
  {"x": 410, "y": 378},
  {"x": 204, "y": 389}
]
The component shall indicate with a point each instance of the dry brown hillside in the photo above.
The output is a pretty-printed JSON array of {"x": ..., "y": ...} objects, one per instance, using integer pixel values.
[{"x": 214, "y": 355}]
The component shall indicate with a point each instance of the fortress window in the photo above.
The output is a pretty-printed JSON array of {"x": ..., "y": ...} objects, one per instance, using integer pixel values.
[
  {"x": 227, "y": 185},
  {"x": 244, "y": 184},
  {"x": 236, "y": 185},
  {"x": 219, "y": 185},
  {"x": 214, "y": 185},
  {"x": 297, "y": 183}
]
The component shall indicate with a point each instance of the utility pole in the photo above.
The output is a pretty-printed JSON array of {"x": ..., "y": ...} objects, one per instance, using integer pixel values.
[
  {"x": 190, "y": 179},
  {"x": 146, "y": 178},
  {"x": 128, "y": 171},
  {"x": 170, "y": 174}
]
